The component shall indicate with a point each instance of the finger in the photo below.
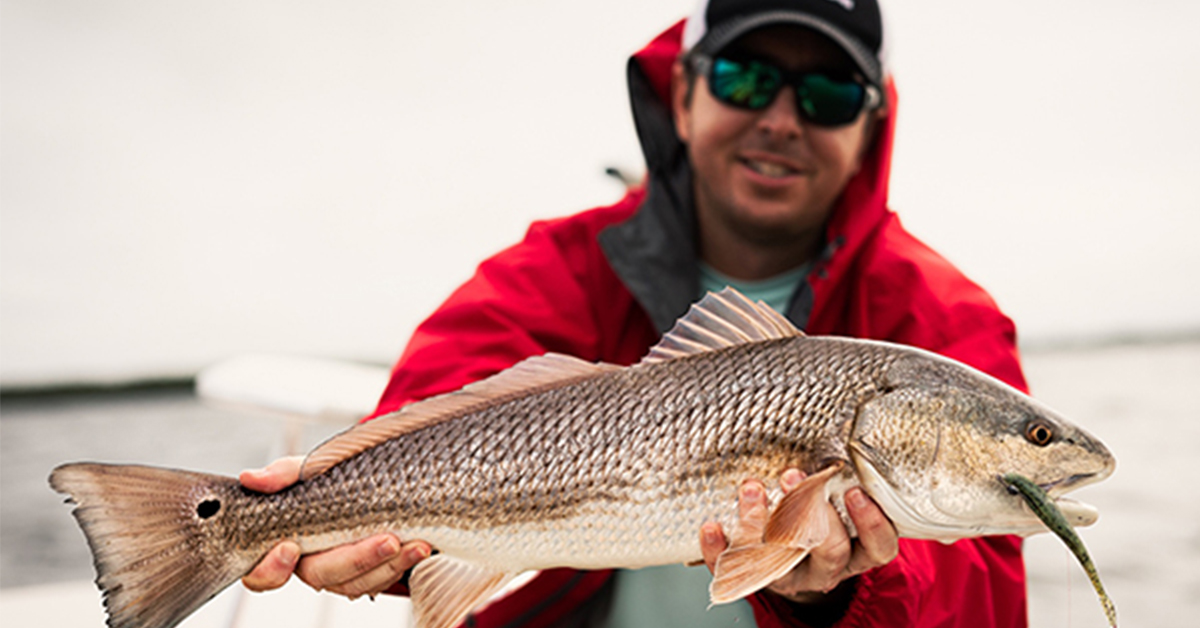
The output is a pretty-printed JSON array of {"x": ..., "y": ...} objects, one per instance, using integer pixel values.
[
  {"x": 342, "y": 564},
  {"x": 752, "y": 514},
  {"x": 790, "y": 479},
  {"x": 386, "y": 574},
  {"x": 274, "y": 569},
  {"x": 822, "y": 570},
  {"x": 878, "y": 542},
  {"x": 827, "y": 562},
  {"x": 274, "y": 477},
  {"x": 712, "y": 543}
]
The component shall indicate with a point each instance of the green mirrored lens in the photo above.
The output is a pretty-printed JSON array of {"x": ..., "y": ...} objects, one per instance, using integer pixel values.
[
  {"x": 754, "y": 85},
  {"x": 750, "y": 85},
  {"x": 829, "y": 102}
]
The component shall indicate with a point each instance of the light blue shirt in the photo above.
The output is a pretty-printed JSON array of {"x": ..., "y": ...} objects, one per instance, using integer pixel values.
[{"x": 775, "y": 291}]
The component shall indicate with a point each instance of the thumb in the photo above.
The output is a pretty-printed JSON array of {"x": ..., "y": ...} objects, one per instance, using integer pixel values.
[
  {"x": 275, "y": 477},
  {"x": 274, "y": 569}
]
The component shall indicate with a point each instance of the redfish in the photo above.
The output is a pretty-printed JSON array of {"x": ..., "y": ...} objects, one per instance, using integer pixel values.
[{"x": 559, "y": 462}]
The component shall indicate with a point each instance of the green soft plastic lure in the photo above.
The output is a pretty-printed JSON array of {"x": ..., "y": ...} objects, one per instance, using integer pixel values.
[{"x": 1043, "y": 506}]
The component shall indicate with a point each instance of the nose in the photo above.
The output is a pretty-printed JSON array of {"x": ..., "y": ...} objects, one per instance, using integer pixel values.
[{"x": 781, "y": 120}]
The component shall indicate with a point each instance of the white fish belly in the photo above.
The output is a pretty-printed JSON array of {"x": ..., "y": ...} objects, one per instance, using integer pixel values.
[{"x": 627, "y": 534}]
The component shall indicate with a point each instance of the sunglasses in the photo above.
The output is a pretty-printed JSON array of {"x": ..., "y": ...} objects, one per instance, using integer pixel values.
[{"x": 753, "y": 85}]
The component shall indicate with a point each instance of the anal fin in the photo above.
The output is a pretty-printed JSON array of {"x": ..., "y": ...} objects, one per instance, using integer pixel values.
[
  {"x": 444, "y": 589},
  {"x": 744, "y": 570}
]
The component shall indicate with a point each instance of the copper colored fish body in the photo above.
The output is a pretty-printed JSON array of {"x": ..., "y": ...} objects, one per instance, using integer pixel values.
[{"x": 562, "y": 463}]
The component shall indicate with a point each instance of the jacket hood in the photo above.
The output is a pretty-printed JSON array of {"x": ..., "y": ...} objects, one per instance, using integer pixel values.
[{"x": 667, "y": 213}]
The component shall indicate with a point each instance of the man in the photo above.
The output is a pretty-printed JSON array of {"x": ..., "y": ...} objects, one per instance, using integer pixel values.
[{"x": 767, "y": 129}]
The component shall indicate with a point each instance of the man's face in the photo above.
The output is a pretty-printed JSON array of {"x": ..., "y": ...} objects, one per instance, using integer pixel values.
[{"x": 768, "y": 176}]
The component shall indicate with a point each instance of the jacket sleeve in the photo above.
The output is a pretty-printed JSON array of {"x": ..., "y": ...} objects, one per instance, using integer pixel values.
[{"x": 521, "y": 302}]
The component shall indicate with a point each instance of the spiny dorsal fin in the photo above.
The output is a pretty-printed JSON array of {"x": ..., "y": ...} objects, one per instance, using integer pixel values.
[
  {"x": 721, "y": 319},
  {"x": 551, "y": 370}
]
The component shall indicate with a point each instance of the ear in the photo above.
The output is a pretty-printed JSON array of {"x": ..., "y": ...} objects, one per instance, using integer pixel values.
[
  {"x": 681, "y": 105},
  {"x": 872, "y": 123}
]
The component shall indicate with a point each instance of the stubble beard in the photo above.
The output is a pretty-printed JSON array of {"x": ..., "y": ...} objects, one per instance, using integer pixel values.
[{"x": 762, "y": 232}]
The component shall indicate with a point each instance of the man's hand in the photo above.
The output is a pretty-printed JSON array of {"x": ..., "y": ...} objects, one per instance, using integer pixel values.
[
  {"x": 832, "y": 562},
  {"x": 364, "y": 567}
]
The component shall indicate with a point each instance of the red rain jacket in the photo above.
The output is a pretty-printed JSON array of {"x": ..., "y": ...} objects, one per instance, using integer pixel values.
[{"x": 567, "y": 288}]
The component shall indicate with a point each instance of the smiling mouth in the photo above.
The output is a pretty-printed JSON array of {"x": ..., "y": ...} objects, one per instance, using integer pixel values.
[{"x": 771, "y": 169}]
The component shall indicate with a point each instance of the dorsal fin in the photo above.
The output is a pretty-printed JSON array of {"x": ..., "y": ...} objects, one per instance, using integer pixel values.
[
  {"x": 536, "y": 373},
  {"x": 721, "y": 319}
]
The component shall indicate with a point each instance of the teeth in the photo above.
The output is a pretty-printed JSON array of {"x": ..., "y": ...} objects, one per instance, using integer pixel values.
[{"x": 769, "y": 169}]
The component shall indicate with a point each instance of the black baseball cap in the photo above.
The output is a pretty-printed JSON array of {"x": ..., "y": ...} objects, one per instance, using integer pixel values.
[{"x": 855, "y": 25}]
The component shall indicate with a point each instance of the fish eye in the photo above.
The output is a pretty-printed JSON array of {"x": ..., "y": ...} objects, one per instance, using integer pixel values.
[{"x": 1038, "y": 433}]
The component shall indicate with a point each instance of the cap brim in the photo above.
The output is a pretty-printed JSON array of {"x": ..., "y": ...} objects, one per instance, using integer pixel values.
[{"x": 716, "y": 39}]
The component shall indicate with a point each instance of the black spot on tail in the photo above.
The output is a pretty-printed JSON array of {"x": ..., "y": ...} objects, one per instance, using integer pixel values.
[{"x": 208, "y": 508}]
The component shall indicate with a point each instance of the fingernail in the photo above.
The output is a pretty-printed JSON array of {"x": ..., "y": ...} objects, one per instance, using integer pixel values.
[
  {"x": 289, "y": 554},
  {"x": 712, "y": 536},
  {"x": 750, "y": 491},
  {"x": 388, "y": 547},
  {"x": 856, "y": 499},
  {"x": 417, "y": 553},
  {"x": 790, "y": 479}
]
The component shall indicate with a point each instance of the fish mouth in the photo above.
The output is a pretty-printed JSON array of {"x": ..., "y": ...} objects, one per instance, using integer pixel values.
[
  {"x": 1069, "y": 483},
  {"x": 1077, "y": 513}
]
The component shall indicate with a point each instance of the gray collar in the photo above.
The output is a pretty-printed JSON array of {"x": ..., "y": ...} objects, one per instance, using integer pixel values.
[{"x": 654, "y": 254}]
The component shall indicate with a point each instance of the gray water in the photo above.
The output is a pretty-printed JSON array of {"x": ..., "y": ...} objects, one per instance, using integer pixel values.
[
  {"x": 1142, "y": 401},
  {"x": 1139, "y": 399}
]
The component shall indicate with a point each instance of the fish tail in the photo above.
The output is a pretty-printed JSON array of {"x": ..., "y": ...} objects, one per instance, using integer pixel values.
[{"x": 156, "y": 539}]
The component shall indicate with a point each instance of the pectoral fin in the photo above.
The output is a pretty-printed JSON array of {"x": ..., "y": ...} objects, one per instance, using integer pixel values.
[
  {"x": 444, "y": 589},
  {"x": 797, "y": 525},
  {"x": 801, "y": 519}
]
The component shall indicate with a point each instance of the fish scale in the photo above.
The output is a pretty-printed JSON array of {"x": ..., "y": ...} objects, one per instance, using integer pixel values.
[{"x": 430, "y": 483}]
